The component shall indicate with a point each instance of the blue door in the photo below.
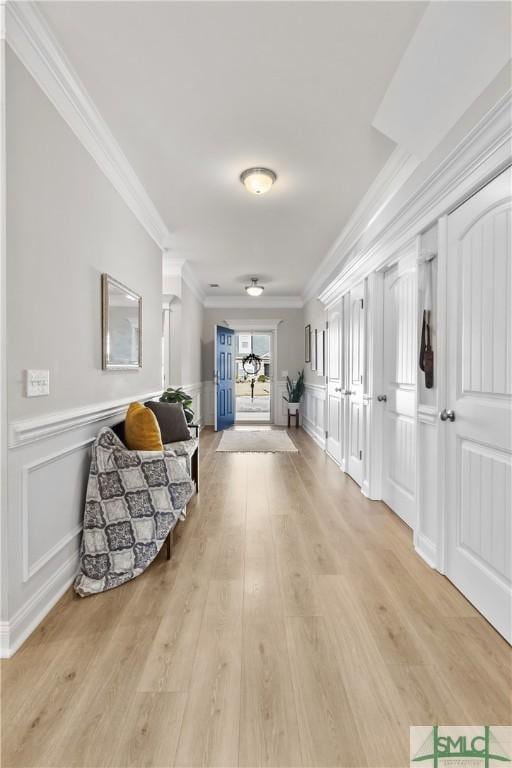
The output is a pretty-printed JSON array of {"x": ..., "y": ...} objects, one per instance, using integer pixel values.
[{"x": 224, "y": 381}]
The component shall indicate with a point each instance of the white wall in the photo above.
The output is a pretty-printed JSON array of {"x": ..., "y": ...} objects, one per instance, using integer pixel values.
[
  {"x": 314, "y": 417},
  {"x": 184, "y": 340},
  {"x": 315, "y": 315},
  {"x": 192, "y": 312},
  {"x": 66, "y": 225}
]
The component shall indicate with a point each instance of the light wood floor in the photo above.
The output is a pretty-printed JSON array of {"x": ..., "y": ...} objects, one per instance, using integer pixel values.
[{"x": 294, "y": 626}]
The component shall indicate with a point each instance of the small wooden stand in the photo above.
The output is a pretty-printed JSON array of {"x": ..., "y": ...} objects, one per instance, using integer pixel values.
[
  {"x": 296, "y": 414},
  {"x": 169, "y": 541}
]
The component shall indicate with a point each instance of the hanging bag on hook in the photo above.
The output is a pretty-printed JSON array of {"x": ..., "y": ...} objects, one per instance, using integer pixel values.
[
  {"x": 422, "y": 342},
  {"x": 428, "y": 359}
]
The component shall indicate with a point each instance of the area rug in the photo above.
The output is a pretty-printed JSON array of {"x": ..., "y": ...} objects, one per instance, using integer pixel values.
[{"x": 261, "y": 441}]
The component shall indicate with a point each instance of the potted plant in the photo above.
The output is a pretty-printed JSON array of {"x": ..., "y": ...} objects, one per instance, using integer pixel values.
[
  {"x": 295, "y": 391},
  {"x": 177, "y": 395}
]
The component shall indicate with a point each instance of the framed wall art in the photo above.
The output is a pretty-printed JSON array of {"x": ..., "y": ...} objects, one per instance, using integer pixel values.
[
  {"x": 307, "y": 344},
  {"x": 121, "y": 326}
]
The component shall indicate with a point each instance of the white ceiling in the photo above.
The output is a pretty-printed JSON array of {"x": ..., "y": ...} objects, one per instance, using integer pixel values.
[{"x": 195, "y": 92}]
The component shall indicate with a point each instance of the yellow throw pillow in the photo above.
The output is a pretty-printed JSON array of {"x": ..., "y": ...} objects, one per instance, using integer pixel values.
[{"x": 141, "y": 430}]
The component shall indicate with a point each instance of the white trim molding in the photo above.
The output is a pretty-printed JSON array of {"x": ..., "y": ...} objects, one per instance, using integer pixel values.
[
  {"x": 425, "y": 548},
  {"x": 13, "y": 633},
  {"x": 389, "y": 181},
  {"x": 251, "y": 302},
  {"x": 28, "y": 430},
  {"x": 31, "y": 39},
  {"x": 257, "y": 324},
  {"x": 175, "y": 266},
  {"x": 482, "y": 154}
]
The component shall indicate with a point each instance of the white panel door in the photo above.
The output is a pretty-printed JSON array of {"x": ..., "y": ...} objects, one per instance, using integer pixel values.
[
  {"x": 335, "y": 402},
  {"x": 355, "y": 383},
  {"x": 400, "y": 363},
  {"x": 479, "y": 397}
]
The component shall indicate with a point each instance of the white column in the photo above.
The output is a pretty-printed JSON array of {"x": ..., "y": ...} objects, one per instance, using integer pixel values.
[{"x": 167, "y": 340}]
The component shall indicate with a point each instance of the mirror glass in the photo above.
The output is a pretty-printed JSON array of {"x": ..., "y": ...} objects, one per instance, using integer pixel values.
[{"x": 122, "y": 326}]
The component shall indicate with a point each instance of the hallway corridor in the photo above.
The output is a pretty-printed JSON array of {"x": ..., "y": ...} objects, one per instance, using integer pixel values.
[{"x": 294, "y": 626}]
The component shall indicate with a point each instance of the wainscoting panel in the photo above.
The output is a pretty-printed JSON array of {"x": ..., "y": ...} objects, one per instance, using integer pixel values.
[
  {"x": 50, "y": 484},
  {"x": 196, "y": 393},
  {"x": 314, "y": 412},
  {"x": 280, "y": 407},
  {"x": 207, "y": 393},
  {"x": 48, "y": 466}
]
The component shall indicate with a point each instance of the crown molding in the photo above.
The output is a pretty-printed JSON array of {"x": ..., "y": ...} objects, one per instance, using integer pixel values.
[
  {"x": 388, "y": 182},
  {"x": 256, "y": 324},
  {"x": 175, "y": 266},
  {"x": 483, "y": 153},
  {"x": 31, "y": 39},
  {"x": 172, "y": 266},
  {"x": 253, "y": 302}
]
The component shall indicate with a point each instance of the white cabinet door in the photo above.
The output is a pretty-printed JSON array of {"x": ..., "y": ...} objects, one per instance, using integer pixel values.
[
  {"x": 335, "y": 402},
  {"x": 479, "y": 391},
  {"x": 400, "y": 364},
  {"x": 355, "y": 383}
]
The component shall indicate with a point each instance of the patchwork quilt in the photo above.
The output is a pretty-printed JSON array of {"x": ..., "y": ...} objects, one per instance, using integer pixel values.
[{"x": 134, "y": 498}]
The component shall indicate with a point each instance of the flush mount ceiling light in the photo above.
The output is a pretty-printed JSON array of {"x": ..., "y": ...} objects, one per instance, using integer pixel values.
[
  {"x": 254, "y": 289},
  {"x": 258, "y": 180}
]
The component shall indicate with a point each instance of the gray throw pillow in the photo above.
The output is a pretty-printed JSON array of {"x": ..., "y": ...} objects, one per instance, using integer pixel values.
[{"x": 171, "y": 420}]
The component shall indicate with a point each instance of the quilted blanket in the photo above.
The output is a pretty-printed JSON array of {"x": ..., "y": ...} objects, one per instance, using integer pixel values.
[{"x": 134, "y": 498}]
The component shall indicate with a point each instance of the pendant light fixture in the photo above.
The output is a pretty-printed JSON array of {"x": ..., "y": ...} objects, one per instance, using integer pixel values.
[
  {"x": 254, "y": 289},
  {"x": 258, "y": 180}
]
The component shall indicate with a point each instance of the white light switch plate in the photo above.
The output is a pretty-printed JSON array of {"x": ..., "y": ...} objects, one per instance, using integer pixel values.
[{"x": 37, "y": 383}]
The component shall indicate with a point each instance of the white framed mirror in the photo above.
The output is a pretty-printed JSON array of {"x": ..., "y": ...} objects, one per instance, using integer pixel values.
[{"x": 121, "y": 326}]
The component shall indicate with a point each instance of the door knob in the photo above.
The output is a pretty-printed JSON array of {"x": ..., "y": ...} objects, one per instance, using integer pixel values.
[
  {"x": 347, "y": 392},
  {"x": 447, "y": 415},
  {"x": 382, "y": 398},
  {"x": 337, "y": 389}
]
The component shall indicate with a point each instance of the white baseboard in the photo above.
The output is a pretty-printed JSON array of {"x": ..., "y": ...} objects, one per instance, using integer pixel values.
[
  {"x": 314, "y": 432},
  {"x": 5, "y": 651},
  {"x": 425, "y": 548},
  {"x": 14, "y": 632}
]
